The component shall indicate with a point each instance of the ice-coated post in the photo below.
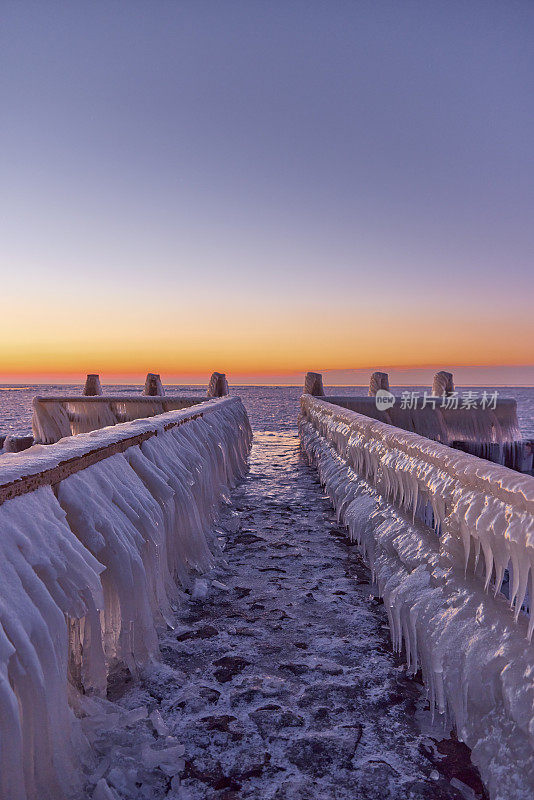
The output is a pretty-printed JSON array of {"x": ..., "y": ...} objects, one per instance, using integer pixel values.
[
  {"x": 92, "y": 386},
  {"x": 16, "y": 444},
  {"x": 218, "y": 385},
  {"x": 379, "y": 380},
  {"x": 153, "y": 385},
  {"x": 313, "y": 384},
  {"x": 443, "y": 384}
]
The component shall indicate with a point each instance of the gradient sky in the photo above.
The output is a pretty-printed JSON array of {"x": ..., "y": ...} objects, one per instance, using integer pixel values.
[{"x": 266, "y": 187}]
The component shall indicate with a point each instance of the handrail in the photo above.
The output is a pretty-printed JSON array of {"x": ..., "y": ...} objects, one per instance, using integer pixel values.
[
  {"x": 500, "y": 481},
  {"x": 57, "y": 417},
  {"x": 430, "y": 521},
  {"x": 46, "y": 465},
  {"x": 485, "y": 506}
]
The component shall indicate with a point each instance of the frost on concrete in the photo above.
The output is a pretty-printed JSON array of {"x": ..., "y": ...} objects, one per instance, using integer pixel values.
[
  {"x": 90, "y": 569},
  {"x": 439, "y": 529}
]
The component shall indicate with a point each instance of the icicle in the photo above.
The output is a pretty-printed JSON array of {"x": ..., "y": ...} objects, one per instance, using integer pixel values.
[{"x": 46, "y": 574}]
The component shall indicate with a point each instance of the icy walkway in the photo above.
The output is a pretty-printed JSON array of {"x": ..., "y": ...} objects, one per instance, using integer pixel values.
[{"x": 282, "y": 684}]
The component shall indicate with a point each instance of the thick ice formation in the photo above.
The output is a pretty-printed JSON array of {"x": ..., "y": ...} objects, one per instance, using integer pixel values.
[
  {"x": 90, "y": 567},
  {"x": 438, "y": 528},
  {"x": 57, "y": 417},
  {"x": 46, "y": 575}
]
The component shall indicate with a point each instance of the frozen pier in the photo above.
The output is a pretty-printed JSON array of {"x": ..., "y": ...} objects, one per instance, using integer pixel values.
[{"x": 280, "y": 683}]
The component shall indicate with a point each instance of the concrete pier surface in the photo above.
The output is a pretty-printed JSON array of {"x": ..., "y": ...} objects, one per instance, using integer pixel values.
[{"x": 279, "y": 680}]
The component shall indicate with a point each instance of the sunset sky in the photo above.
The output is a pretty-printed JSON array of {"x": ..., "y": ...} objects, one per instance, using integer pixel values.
[{"x": 264, "y": 188}]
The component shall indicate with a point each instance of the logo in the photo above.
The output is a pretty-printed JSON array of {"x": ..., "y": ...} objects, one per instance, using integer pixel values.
[{"x": 384, "y": 400}]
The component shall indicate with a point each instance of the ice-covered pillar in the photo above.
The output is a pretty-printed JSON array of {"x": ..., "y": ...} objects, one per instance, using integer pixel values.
[
  {"x": 92, "y": 386},
  {"x": 313, "y": 384},
  {"x": 16, "y": 444},
  {"x": 153, "y": 385},
  {"x": 218, "y": 385},
  {"x": 443, "y": 384},
  {"x": 379, "y": 380}
]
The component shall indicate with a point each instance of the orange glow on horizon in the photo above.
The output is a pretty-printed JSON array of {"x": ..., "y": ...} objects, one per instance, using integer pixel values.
[
  {"x": 481, "y": 374},
  {"x": 257, "y": 358},
  {"x": 66, "y": 341}
]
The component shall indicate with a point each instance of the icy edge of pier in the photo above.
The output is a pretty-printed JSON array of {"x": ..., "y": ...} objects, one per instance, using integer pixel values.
[
  {"x": 438, "y": 528},
  {"x": 99, "y": 533}
]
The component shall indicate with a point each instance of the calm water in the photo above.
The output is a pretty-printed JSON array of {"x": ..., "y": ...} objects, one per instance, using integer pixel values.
[{"x": 269, "y": 407}]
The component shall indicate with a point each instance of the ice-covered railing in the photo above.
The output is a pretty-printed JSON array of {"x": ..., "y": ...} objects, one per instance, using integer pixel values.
[
  {"x": 439, "y": 528},
  {"x": 99, "y": 534},
  {"x": 490, "y": 431},
  {"x": 57, "y": 417}
]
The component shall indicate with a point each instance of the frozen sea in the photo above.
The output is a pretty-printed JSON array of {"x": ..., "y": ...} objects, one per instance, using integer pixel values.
[{"x": 268, "y": 407}]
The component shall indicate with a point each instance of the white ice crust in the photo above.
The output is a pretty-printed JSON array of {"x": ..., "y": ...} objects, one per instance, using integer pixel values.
[
  {"x": 90, "y": 568},
  {"x": 438, "y": 529}
]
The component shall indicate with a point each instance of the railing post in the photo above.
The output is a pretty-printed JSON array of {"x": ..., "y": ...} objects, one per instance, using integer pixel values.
[
  {"x": 443, "y": 384},
  {"x": 218, "y": 385},
  {"x": 16, "y": 444},
  {"x": 153, "y": 385},
  {"x": 379, "y": 380},
  {"x": 92, "y": 386},
  {"x": 313, "y": 384}
]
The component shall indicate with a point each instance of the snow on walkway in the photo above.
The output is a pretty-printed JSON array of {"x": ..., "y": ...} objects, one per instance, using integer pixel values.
[{"x": 281, "y": 682}]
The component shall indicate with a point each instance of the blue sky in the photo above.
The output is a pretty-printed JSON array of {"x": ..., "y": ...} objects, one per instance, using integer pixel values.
[{"x": 272, "y": 185}]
